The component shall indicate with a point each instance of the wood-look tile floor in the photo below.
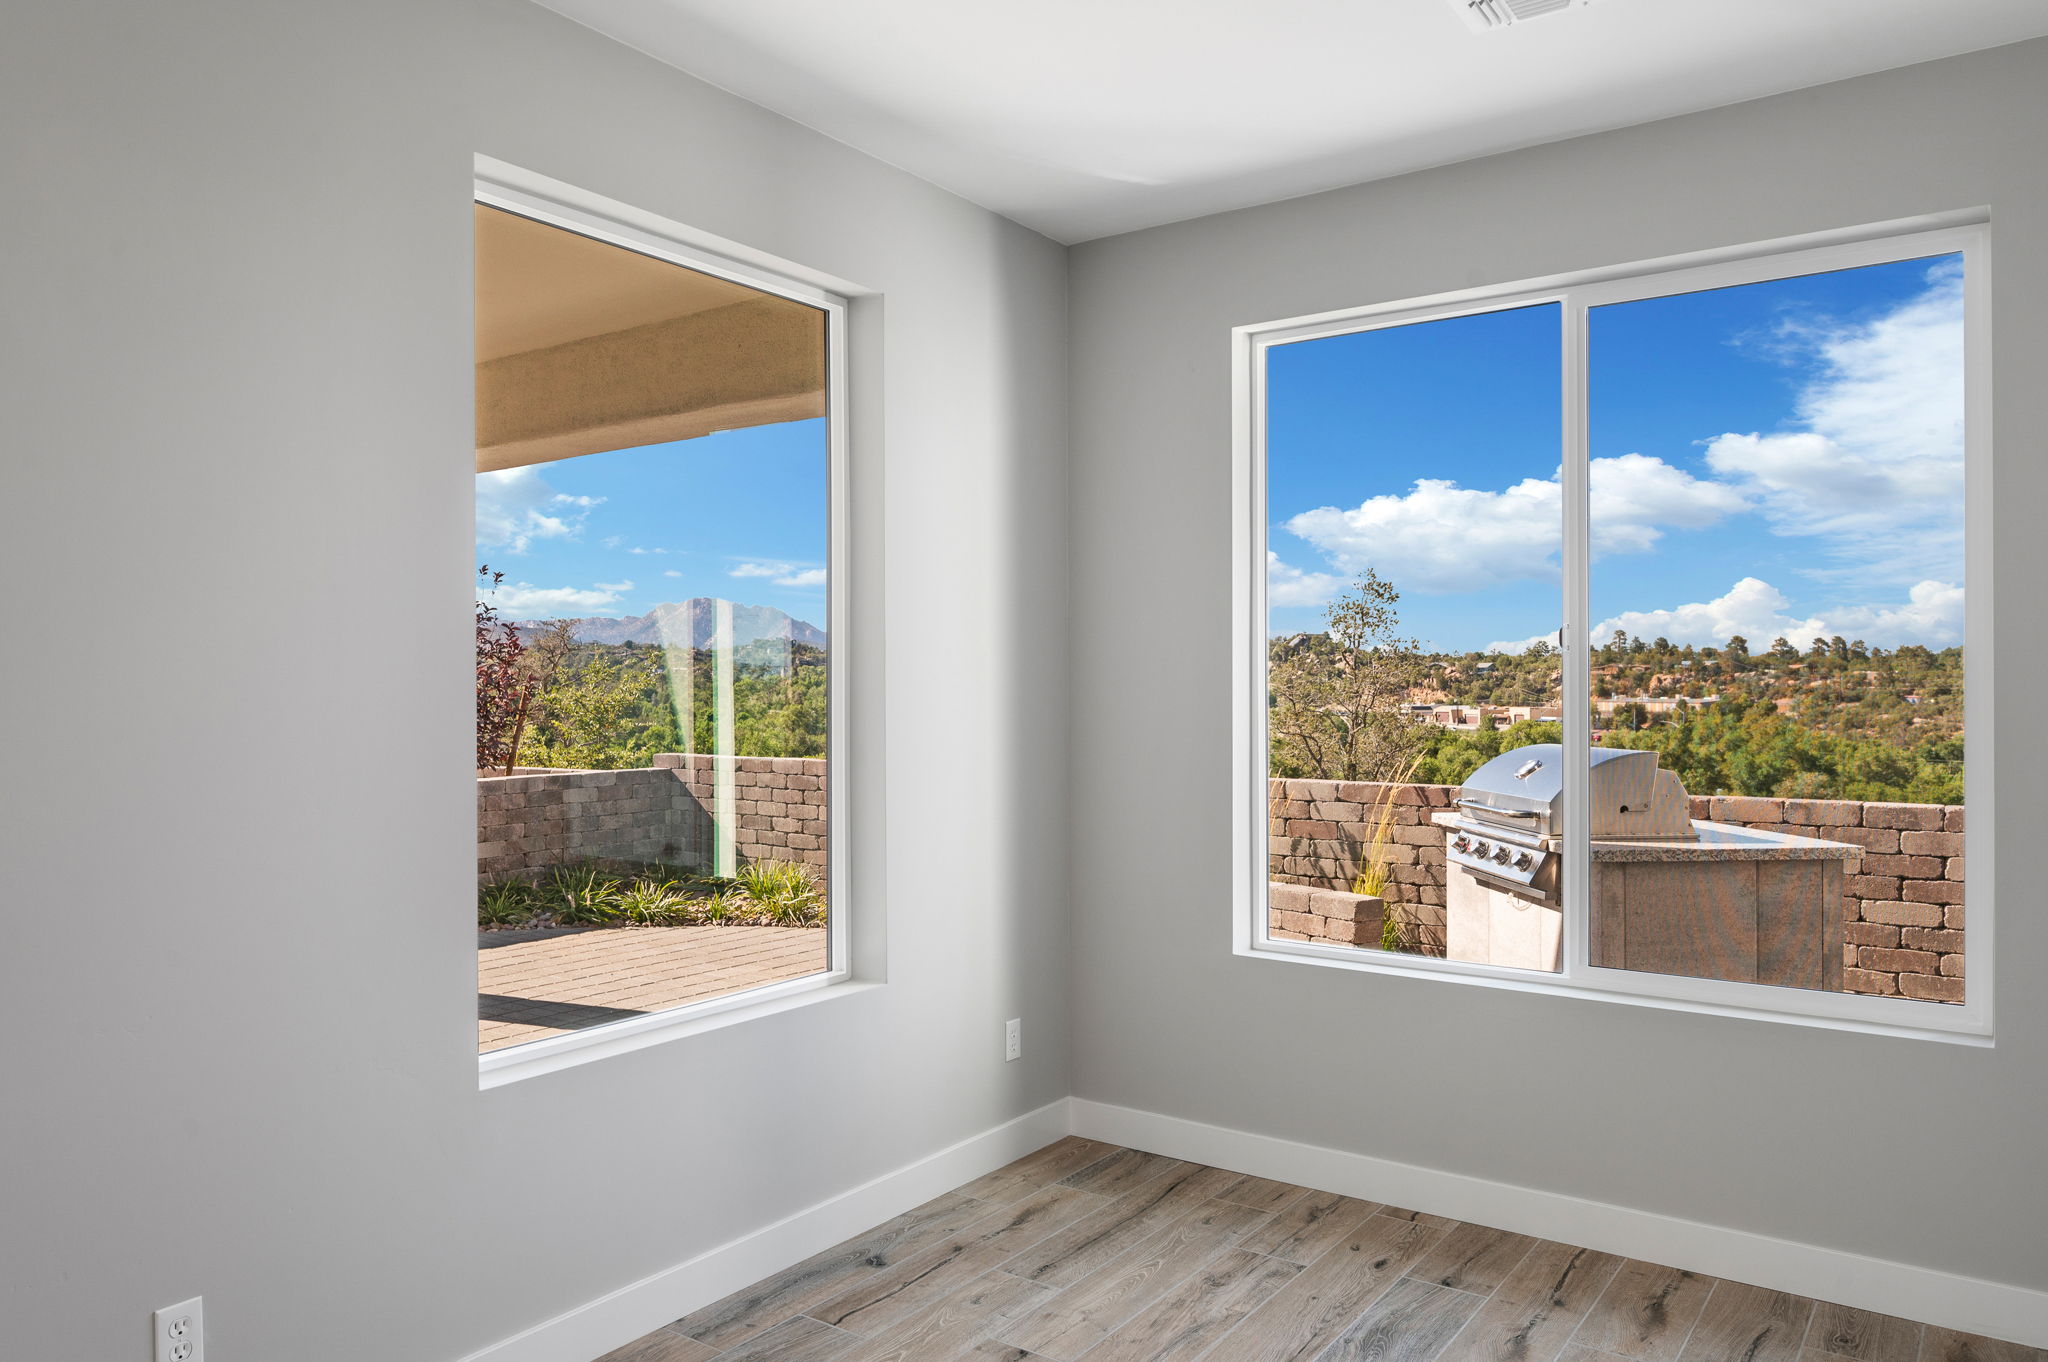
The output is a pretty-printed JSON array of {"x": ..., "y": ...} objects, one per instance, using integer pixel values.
[{"x": 1085, "y": 1252}]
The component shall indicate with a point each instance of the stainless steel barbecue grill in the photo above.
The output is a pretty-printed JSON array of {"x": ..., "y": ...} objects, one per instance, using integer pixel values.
[
  {"x": 1668, "y": 893},
  {"x": 1509, "y": 828}
]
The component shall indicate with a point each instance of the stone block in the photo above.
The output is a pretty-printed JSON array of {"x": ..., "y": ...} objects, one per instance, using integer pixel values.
[
  {"x": 1871, "y": 886},
  {"x": 1904, "y": 914},
  {"x": 1955, "y": 869},
  {"x": 1295, "y": 922},
  {"x": 1952, "y": 966},
  {"x": 1336, "y": 811},
  {"x": 1932, "y": 939},
  {"x": 1344, "y": 907},
  {"x": 1281, "y": 934},
  {"x": 1291, "y": 898},
  {"x": 1952, "y": 818},
  {"x": 1312, "y": 828},
  {"x": 1898, "y": 961},
  {"x": 1931, "y": 843},
  {"x": 1823, "y": 813},
  {"x": 1342, "y": 933},
  {"x": 1870, "y": 981},
  {"x": 1871, "y": 934},
  {"x": 1422, "y": 835},
  {"x": 1906, "y": 867},
  {"x": 1884, "y": 841},
  {"x": 1939, "y": 989},
  {"x": 1918, "y": 817},
  {"x": 1746, "y": 810},
  {"x": 1932, "y": 891}
]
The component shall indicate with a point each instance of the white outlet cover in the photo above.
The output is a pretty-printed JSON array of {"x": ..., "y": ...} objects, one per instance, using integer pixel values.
[
  {"x": 1013, "y": 1039},
  {"x": 179, "y": 1332}
]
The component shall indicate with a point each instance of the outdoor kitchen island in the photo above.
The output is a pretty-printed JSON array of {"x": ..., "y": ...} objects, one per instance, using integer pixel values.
[{"x": 1670, "y": 894}]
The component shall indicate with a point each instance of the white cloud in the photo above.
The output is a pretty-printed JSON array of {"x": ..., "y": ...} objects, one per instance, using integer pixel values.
[
  {"x": 1874, "y": 462},
  {"x": 782, "y": 574},
  {"x": 641, "y": 550},
  {"x": 1287, "y": 585},
  {"x": 525, "y": 601},
  {"x": 1440, "y": 537},
  {"x": 1931, "y": 614},
  {"x": 671, "y": 572},
  {"x": 614, "y": 586},
  {"x": 515, "y": 506}
]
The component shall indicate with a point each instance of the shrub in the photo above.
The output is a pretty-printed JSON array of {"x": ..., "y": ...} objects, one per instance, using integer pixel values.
[
  {"x": 767, "y": 893},
  {"x": 784, "y": 891}
]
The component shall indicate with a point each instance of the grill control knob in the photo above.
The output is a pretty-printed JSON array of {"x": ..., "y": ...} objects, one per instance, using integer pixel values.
[
  {"x": 1479, "y": 849},
  {"x": 1524, "y": 861},
  {"x": 1461, "y": 843},
  {"x": 1501, "y": 855}
]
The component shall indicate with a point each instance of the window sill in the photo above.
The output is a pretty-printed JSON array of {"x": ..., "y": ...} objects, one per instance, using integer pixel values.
[
  {"x": 511, "y": 1065},
  {"x": 1827, "y": 1011}
]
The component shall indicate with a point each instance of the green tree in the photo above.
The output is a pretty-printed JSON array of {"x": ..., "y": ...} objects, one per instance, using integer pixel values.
[{"x": 1337, "y": 701}]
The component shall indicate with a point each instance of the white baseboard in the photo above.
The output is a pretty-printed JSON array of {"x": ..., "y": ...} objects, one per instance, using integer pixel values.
[
  {"x": 597, "y": 1327},
  {"x": 1996, "y": 1309}
]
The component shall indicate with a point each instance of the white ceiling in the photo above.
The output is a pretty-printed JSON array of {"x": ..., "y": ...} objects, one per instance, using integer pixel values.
[{"x": 1083, "y": 118}]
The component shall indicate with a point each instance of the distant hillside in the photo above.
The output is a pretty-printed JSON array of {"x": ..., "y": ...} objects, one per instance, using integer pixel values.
[{"x": 690, "y": 622}]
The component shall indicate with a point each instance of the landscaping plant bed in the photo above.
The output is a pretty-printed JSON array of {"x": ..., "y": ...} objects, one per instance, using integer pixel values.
[{"x": 608, "y": 894}]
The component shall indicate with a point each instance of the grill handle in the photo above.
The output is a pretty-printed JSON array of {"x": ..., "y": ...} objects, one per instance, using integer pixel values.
[{"x": 1497, "y": 812}]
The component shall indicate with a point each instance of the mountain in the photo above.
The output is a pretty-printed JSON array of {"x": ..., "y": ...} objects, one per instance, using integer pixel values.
[{"x": 690, "y": 622}]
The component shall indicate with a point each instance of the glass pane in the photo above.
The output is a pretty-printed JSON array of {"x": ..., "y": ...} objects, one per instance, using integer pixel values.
[
  {"x": 1777, "y": 585},
  {"x": 1413, "y": 584},
  {"x": 651, "y": 540}
]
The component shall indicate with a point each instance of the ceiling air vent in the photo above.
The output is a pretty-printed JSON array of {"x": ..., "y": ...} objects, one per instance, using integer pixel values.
[{"x": 1502, "y": 13}]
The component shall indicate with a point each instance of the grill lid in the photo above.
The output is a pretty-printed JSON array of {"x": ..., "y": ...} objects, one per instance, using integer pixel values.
[{"x": 1530, "y": 780}]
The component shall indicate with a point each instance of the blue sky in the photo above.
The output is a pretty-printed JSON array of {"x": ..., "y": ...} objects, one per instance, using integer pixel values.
[
  {"x": 1779, "y": 458},
  {"x": 739, "y": 514}
]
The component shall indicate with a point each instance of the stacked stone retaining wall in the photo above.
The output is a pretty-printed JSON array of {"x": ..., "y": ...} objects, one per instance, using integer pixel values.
[
  {"x": 1902, "y": 914},
  {"x": 661, "y": 813}
]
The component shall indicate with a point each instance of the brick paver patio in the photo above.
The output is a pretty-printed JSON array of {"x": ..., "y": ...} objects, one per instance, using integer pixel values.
[{"x": 546, "y": 981}]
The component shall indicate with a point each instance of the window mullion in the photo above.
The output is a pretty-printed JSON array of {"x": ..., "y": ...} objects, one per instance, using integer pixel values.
[{"x": 1575, "y": 682}]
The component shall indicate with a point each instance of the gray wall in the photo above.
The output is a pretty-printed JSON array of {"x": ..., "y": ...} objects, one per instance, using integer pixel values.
[
  {"x": 1771, "y": 1128},
  {"x": 237, "y": 383}
]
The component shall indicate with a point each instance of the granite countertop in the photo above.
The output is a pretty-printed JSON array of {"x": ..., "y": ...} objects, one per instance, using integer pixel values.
[
  {"x": 1726, "y": 842},
  {"x": 1718, "y": 842}
]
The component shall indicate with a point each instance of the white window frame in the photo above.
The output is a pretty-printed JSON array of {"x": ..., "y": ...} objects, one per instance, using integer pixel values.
[
  {"x": 1964, "y": 233},
  {"x": 501, "y": 185}
]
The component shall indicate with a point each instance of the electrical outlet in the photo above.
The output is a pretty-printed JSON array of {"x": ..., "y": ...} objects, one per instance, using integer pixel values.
[
  {"x": 1013, "y": 1039},
  {"x": 180, "y": 1332}
]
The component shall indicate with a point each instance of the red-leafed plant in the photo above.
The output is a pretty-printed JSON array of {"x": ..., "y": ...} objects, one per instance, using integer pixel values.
[{"x": 504, "y": 688}]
